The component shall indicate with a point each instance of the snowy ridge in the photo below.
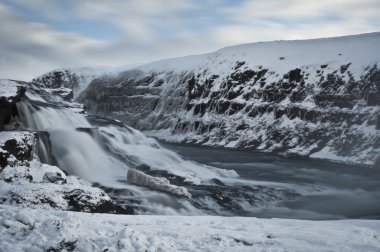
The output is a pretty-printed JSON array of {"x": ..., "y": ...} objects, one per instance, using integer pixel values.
[{"x": 361, "y": 50}]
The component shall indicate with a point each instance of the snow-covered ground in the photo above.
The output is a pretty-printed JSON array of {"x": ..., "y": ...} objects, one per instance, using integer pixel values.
[
  {"x": 33, "y": 230},
  {"x": 8, "y": 88}
]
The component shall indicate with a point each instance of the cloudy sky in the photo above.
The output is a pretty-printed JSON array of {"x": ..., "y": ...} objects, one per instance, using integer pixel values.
[{"x": 37, "y": 36}]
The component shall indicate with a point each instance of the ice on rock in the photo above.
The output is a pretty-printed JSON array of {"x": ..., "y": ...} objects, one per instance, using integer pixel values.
[{"x": 156, "y": 183}]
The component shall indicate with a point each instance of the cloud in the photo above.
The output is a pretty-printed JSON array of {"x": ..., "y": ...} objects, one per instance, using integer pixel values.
[
  {"x": 27, "y": 48},
  {"x": 40, "y": 35},
  {"x": 262, "y": 20}
]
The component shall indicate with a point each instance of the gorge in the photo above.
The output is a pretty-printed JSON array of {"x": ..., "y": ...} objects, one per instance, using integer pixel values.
[{"x": 283, "y": 129}]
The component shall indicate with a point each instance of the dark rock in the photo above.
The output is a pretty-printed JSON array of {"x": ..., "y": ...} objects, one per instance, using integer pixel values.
[
  {"x": 81, "y": 201},
  {"x": 260, "y": 74},
  {"x": 239, "y": 64},
  {"x": 63, "y": 246},
  {"x": 8, "y": 109},
  {"x": 373, "y": 99},
  {"x": 53, "y": 177},
  {"x": 295, "y": 75},
  {"x": 200, "y": 109},
  {"x": 343, "y": 68},
  {"x": 242, "y": 126},
  {"x": 217, "y": 182},
  {"x": 223, "y": 106},
  {"x": 21, "y": 145},
  {"x": 143, "y": 167}
]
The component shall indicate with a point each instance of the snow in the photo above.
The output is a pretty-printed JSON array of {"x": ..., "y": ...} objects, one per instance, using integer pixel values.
[
  {"x": 33, "y": 230},
  {"x": 156, "y": 183},
  {"x": 30, "y": 223},
  {"x": 8, "y": 88},
  {"x": 328, "y": 154},
  {"x": 360, "y": 50},
  {"x": 21, "y": 137},
  {"x": 23, "y": 185},
  {"x": 331, "y": 51}
]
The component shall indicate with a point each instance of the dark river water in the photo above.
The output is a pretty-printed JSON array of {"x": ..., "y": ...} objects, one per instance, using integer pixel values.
[{"x": 317, "y": 189}]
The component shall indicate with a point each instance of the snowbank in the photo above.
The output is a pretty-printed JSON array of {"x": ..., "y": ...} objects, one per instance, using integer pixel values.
[
  {"x": 9, "y": 89},
  {"x": 31, "y": 230}
]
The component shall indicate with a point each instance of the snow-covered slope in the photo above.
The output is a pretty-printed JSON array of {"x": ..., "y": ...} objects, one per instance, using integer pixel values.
[
  {"x": 69, "y": 231},
  {"x": 317, "y": 98}
]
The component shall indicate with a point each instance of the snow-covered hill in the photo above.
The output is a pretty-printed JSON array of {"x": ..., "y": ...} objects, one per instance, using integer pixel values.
[{"x": 316, "y": 98}]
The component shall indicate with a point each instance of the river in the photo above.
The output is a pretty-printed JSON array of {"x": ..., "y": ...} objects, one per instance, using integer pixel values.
[{"x": 326, "y": 190}]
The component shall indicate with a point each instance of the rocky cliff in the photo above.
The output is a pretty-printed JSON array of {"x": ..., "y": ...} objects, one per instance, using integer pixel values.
[{"x": 314, "y": 98}]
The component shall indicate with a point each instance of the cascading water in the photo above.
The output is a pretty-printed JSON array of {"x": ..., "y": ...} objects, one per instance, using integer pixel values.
[
  {"x": 162, "y": 182},
  {"x": 94, "y": 153},
  {"x": 75, "y": 152},
  {"x": 104, "y": 152}
]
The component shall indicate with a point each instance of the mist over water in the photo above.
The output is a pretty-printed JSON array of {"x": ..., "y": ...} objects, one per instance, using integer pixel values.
[
  {"x": 221, "y": 182},
  {"x": 103, "y": 151}
]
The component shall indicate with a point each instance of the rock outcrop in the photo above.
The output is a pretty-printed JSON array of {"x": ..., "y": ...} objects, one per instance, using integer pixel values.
[
  {"x": 16, "y": 148},
  {"x": 10, "y": 93},
  {"x": 156, "y": 183}
]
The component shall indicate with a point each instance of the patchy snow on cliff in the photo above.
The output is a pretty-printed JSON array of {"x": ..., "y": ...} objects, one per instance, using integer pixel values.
[
  {"x": 302, "y": 98},
  {"x": 8, "y": 88},
  {"x": 282, "y": 56}
]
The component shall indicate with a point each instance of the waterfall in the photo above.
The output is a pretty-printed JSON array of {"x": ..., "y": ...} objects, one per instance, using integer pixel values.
[
  {"x": 75, "y": 151},
  {"x": 103, "y": 151}
]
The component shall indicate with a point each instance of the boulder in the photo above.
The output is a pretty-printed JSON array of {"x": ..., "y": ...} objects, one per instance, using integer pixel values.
[
  {"x": 160, "y": 184},
  {"x": 16, "y": 147},
  {"x": 53, "y": 177}
]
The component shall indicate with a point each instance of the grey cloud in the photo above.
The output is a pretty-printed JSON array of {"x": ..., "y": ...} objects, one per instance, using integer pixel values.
[{"x": 28, "y": 49}]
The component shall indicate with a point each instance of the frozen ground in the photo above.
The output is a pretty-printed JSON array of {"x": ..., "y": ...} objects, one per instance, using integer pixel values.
[{"x": 33, "y": 230}]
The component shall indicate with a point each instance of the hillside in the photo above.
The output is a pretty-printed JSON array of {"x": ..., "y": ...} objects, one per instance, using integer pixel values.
[{"x": 314, "y": 98}]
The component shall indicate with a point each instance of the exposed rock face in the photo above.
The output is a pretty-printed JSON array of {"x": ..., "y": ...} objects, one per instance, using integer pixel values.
[
  {"x": 68, "y": 83},
  {"x": 16, "y": 147},
  {"x": 290, "y": 98},
  {"x": 10, "y": 93}
]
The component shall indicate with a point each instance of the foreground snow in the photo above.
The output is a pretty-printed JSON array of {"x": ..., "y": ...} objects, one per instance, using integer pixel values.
[{"x": 33, "y": 230}]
